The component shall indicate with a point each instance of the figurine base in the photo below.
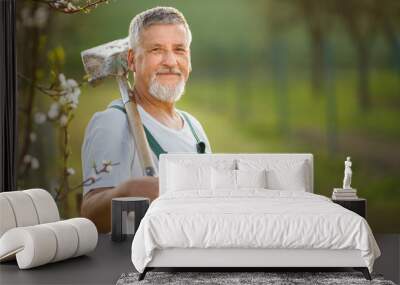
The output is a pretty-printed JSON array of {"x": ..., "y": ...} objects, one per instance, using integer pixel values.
[{"x": 344, "y": 189}]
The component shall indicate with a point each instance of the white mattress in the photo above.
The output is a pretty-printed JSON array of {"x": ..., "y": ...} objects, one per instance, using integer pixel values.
[{"x": 252, "y": 219}]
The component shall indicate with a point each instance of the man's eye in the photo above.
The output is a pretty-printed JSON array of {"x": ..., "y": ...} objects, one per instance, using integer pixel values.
[
  {"x": 156, "y": 50},
  {"x": 180, "y": 50}
]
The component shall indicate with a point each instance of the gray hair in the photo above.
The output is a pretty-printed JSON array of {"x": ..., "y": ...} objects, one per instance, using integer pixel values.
[{"x": 157, "y": 15}]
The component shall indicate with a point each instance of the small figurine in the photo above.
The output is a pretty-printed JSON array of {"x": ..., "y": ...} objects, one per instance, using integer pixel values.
[{"x": 347, "y": 174}]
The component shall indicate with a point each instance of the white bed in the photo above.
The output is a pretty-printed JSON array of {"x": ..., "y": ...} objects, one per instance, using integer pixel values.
[{"x": 201, "y": 220}]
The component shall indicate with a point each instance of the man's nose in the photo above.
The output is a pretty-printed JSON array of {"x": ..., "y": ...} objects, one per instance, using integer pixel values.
[{"x": 169, "y": 59}]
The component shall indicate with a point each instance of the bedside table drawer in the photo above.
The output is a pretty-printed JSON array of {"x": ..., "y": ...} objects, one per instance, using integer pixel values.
[{"x": 358, "y": 206}]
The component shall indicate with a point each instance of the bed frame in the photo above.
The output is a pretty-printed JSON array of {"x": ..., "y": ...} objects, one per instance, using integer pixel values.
[
  {"x": 242, "y": 259},
  {"x": 245, "y": 259}
]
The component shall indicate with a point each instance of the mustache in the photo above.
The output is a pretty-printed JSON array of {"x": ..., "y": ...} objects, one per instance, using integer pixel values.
[{"x": 169, "y": 71}]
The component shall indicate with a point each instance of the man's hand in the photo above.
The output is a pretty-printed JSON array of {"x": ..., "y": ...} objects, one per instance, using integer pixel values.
[{"x": 96, "y": 204}]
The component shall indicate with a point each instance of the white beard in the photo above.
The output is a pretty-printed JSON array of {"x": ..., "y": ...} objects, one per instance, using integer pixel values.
[{"x": 166, "y": 93}]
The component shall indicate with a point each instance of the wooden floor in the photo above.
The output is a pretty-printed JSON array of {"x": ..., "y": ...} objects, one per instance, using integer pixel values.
[{"x": 110, "y": 260}]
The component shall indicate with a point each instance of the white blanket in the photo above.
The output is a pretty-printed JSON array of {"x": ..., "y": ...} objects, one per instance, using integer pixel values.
[{"x": 250, "y": 219}]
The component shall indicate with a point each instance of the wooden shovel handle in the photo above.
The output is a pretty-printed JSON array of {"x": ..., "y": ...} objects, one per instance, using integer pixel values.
[{"x": 141, "y": 143}]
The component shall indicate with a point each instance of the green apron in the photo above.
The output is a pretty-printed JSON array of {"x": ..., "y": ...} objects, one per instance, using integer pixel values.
[{"x": 155, "y": 146}]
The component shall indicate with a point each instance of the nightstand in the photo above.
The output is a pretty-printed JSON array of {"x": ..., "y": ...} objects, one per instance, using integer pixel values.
[
  {"x": 358, "y": 206},
  {"x": 126, "y": 215}
]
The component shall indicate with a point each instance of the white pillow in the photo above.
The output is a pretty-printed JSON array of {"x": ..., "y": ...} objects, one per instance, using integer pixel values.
[
  {"x": 251, "y": 178},
  {"x": 293, "y": 179},
  {"x": 223, "y": 179},
  {"x": 188, "y": 177},
  {"x": 282, "y": 174}
]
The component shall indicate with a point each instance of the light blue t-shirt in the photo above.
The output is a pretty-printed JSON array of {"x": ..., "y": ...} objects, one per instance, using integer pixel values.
[{"x": 107, "y": 137}]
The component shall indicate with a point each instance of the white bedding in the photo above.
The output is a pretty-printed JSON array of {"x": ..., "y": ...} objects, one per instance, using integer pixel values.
[{"x": 250, "y": 219}]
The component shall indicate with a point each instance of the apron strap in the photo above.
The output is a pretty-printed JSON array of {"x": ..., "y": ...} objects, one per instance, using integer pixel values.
[
  {"x": 191, "y": 126},
  {"x": 154, "y": 145}
]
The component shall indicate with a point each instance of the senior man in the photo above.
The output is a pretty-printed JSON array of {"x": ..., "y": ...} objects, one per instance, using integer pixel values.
[{"x": 159, "y": 57}]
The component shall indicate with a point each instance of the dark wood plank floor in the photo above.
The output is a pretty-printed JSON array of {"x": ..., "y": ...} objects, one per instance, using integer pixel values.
[{"x": 110, "y": 260}]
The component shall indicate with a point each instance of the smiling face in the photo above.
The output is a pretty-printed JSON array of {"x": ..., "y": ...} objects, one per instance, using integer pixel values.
[{"x": 161, "y": 62}]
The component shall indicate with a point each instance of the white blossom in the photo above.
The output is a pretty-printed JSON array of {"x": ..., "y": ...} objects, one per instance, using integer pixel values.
[
  {"x": 70, "y": 171},
  {"x": 32, "y": 137},
  {"x": 93, "y": 178},
  {"x": 71, "y": 6},
  {"x": 60, "y": 3},
  {"x": 41, "y": 16},
  {"x": 62, "y": 79},
  {"x": 40, "y": 118},
  {"x": 108, "y": 168},
  {"x": 38, "y": 18},
  {"x": 105, "y": 162},
  {"x": 63, "y": 120},
  {"x": 70, "y": 91},
  {"x": 54, "y": 110},
  {"x": 27, "y": 158},
  {"x": 34, "y": 163},
  {"x": 62, "y": 100}
]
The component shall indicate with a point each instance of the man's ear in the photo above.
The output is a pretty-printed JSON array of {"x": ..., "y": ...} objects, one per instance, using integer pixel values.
[
  {"x": 131, "y": 60},
  {"x": 190, "y": 62}
]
